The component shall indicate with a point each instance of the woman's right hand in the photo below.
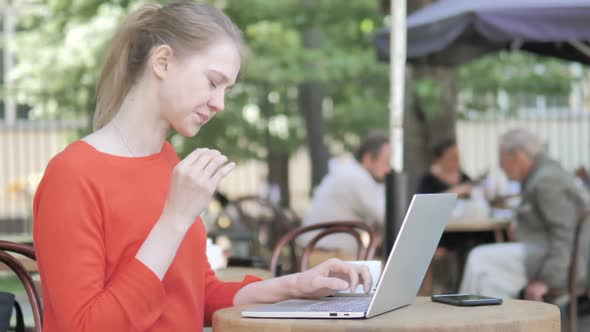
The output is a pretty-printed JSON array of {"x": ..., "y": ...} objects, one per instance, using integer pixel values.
[
  {"x": 194, "y": 181},
  {"x": 463, "y": 189}
]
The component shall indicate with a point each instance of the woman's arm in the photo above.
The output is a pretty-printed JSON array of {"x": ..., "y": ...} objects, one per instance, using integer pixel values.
[
  {"x": 325, "y": 279},
  {"x": 194, "y": 180},
  {"x": 70, "y": 246}
]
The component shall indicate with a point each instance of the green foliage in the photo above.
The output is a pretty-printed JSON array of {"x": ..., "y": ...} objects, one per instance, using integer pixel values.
[
  {"x": 430, "y": 93},
  {"x": 62, "y": 43},
  {"x": 520, "y": 74}
]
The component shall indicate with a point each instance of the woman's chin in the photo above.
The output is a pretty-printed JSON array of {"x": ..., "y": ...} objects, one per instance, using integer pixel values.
[{"x": 188, "y": 132}]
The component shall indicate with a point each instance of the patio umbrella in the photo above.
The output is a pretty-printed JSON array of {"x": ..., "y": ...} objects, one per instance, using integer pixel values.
[{"x": 453, "y": 32}]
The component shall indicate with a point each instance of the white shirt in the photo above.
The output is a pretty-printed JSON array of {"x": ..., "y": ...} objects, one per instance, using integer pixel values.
[{"x": 349, "y": 193}]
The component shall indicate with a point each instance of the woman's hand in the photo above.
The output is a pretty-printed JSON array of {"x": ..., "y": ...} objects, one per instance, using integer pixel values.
[
  {"x": 463, "y": 189},
  {"x": 325, "y": 279},
  {"x": 193, "y": 183},
  {"x": 331, "y": 277},
  {"x": 535, "y": 291},
  {"x": 194, "y": 180}
]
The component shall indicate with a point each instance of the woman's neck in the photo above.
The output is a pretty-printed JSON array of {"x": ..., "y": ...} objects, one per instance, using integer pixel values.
[
  {"x": 138, "y": 124},
  {"x": 449, "y": 176}
]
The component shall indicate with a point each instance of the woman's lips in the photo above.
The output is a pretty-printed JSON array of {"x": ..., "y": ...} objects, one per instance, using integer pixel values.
[{"x": 203, "y": 117}]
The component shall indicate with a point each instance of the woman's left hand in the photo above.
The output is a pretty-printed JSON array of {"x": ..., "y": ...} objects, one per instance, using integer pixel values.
[{"x": 331, "y": 277}]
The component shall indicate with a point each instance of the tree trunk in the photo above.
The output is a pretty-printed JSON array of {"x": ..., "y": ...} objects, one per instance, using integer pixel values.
[
  {"x": 278, "y": 174},
  {"x": 422, "y": 131},
  {"x": 277, "y": 160},
  {"x": 311, "y": 94}
]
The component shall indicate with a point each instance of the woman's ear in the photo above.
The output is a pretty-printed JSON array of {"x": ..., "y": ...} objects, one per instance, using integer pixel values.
[{"x": 160, "y": 60}]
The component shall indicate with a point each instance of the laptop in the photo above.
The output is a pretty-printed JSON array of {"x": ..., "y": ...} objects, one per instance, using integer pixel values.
[{"x": 402, "y": 276}]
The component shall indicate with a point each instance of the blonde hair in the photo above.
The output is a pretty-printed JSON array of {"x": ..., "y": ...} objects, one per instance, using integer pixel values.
[{"x": 184, "y": 26}]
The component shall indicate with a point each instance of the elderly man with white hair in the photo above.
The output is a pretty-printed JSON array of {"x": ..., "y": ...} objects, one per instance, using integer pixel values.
[{"x": 551, "y": 204}]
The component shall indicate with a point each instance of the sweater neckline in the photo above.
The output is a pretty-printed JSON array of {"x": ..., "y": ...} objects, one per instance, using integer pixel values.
[{"x": 85, "y": 145}]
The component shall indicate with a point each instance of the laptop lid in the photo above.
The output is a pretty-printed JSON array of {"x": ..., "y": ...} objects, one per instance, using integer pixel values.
[
  {"x": 402, "y": 276},
  {"x": 412, "y": 252}
]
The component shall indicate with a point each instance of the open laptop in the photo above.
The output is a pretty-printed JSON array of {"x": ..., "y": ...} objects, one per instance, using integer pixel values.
[{"x": 400, "y": 281}]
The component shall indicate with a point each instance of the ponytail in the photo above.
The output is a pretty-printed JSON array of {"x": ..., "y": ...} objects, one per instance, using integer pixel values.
[{"x": 121, "y": 67}]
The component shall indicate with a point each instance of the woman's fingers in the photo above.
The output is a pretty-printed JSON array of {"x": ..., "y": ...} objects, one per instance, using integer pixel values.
[
  {"x": 348, "y": 270},
  {"x": 222, "y": 172},
  {"x": 213, "y": 165},
  {"x": 323, "y": 282},
  {"x": 366, "y": 277},
  {"x": 204, "y": 159},
  {"x": 193, "y": 156}
]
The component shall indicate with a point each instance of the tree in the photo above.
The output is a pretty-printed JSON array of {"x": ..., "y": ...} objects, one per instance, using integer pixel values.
[
  {"x": 433, "y": 104},
  {"x": 63, "y": 41}
]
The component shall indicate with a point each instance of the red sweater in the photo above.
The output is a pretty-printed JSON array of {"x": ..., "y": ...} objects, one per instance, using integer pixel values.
[{"x": 92, "y": 212}]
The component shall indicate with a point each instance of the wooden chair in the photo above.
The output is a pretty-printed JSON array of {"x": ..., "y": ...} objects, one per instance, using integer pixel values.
[
  {"x": 264, "y": 221},
  {"x": 354, "y": 228},
  {"x": 572, "y": 291},
  {"x": 23, "y": 275}
]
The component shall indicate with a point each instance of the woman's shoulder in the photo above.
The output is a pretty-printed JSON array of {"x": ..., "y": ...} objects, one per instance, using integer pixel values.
[
  {"x": 428, "y": 176},
  {"x": 74, "y": 159}
]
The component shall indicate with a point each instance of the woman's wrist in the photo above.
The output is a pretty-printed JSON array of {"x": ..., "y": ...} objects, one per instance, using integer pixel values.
[
  {"x": 159, "y": 248},
  {"x": 175, "y": 222},
  {"x": 291, "y": 286},
  {"x": 269, "y": 291}
]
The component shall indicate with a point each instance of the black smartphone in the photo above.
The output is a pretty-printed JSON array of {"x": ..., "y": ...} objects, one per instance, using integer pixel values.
[{"x": 466, "y": 300}]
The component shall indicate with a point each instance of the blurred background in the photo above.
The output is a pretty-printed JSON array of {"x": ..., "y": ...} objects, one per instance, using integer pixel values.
[{"x": 313, "y": 88}]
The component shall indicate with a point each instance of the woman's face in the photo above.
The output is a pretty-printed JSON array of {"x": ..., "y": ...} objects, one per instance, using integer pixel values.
[
  {"x": 450, "y": 159},
  {"x": 194, "y": 87}
]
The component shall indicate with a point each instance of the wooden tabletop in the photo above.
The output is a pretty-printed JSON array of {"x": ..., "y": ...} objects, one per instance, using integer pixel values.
[
  {"x": 238, "y": 273},
  {"x": 478, "y": 226},
  {"x": 29, "y": 264},
  {"x": 424, "y": 315}
]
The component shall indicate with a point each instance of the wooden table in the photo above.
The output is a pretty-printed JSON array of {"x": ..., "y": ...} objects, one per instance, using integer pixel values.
[
  {"x": 498, "y": 226},
  {"x": 238, "y": 273},
  {"x": 29, "y": 264},
  {"x": 424, "y": 315}
]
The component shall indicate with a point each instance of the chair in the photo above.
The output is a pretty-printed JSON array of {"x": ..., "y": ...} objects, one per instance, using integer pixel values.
[
  {"x": 24, "y": 276},
  {"x": 354, "y": 228},
  {"x": 268, "y": 219},
  {"x": 262, "y": 220},
  {"x": 572, "y": 291}
]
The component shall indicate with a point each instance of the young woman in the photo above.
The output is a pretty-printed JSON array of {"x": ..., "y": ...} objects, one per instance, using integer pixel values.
[{"x": 117, "y": 231}]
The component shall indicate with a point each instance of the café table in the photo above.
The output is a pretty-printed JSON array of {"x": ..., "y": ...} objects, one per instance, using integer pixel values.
[
  {"x": 424, "y": 315},
  {"x": 498, "y": 226},
  {"x": 238, "y": 273},
  {"x": 471, "y": 230},
  {"x": 29, "y": 264}
]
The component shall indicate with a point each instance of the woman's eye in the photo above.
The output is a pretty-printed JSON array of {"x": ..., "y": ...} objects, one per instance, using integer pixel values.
[{"x": 211, "y": 84}]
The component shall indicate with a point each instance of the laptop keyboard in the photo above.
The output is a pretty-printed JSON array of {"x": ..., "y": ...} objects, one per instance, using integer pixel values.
[{"x": 341, "y": 305}]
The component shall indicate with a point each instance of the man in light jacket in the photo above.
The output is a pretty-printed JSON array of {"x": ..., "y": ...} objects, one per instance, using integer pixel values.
[{"x": 353, "y": 191}]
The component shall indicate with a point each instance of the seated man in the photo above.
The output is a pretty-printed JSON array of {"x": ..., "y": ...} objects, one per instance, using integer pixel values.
[
  {"x": 546, "y": 219},
  {"x": 352, "y": 192}
]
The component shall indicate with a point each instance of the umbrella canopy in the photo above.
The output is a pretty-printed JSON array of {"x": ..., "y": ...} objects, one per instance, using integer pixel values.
[{"x": 453, "y": 32}]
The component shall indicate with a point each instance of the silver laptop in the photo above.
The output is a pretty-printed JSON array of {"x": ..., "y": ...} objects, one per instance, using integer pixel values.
[{"x": 400, "y": 281}]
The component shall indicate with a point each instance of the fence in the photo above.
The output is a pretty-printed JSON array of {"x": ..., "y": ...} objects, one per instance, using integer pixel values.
[
  {"x": 566, "y": 135},
  {"x": 27, "y": 147}
]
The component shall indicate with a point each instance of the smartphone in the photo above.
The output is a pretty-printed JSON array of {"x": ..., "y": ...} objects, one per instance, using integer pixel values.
[{"x": 466, "y": 300}]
